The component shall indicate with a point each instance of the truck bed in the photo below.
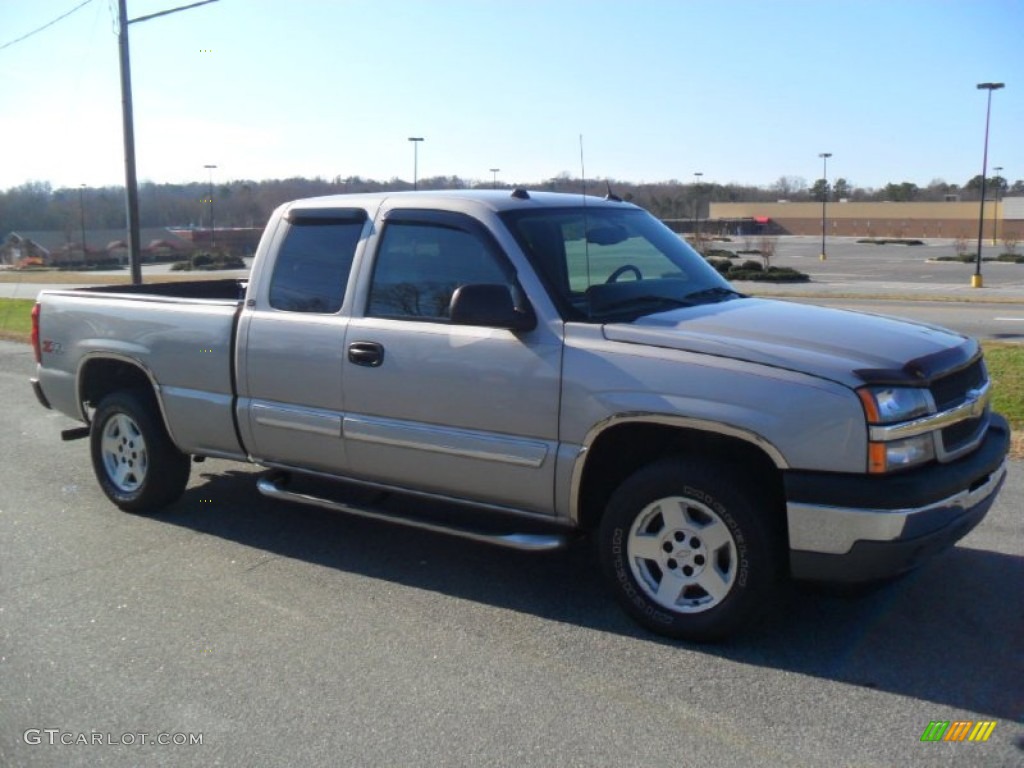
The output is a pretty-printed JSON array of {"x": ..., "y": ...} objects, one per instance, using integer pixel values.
[
  {"x": 224, "y": 289},
  {"x": 181, "y": 335}
]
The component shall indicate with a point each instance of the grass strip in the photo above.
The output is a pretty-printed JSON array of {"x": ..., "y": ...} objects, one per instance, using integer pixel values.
[{"x": 16, "y": 319}]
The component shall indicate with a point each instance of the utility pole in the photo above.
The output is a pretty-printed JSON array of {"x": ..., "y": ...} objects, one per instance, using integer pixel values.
[
  {"x": 824, "y": 199},
  {"x": 415, "y": 161},
  {"x": 995, "y": 214},
  {"x": 976, "y": 279},
  {"x": 131, "y": 186},
  {"x": 696, "y": 213},
  {"x": 213, "y": 229},
  {"x": 81, "y": 217}
]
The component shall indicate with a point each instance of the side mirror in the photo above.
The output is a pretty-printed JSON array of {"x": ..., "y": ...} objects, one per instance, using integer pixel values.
[{"x": 490, "y": 306}]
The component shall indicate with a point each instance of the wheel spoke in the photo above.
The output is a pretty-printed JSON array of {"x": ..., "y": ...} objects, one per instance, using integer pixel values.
[
  {"x": 672, "y": 513},
  {"x": 712, "y": 582},
  {"x": 646, "y": 547},
  {"x": 109, "y": 443},
  {"x": 670, "y": 588},
  {"x": 715, "y": 536},
  {"x": 125, "y": 426},
  {"x": 120, "y": 475}
]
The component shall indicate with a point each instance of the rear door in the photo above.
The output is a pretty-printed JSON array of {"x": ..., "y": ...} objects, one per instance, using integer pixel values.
[
  {"x": 291, "y": 342},
  {"x": 461, "y": 410}
]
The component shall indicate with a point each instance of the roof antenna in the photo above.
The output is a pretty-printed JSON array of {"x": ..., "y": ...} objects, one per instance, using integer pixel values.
[
  {"x": 586, "y": 239},
  {"x": 583, "y": 172},
  {"x": 609, "y": 195}
]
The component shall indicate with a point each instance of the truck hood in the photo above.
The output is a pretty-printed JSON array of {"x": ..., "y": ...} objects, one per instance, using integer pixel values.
[{"x": 829, "y": 343}]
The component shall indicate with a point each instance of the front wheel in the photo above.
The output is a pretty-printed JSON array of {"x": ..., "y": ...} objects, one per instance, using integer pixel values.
[
  {"x": 136, "y": 464},
  {"x": 688, "y": 552}
]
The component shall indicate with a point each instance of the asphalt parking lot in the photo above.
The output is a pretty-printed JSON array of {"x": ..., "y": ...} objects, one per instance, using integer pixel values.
[
  {"x": 284, "y": 635},
  {"x": 853, "y": 268}
]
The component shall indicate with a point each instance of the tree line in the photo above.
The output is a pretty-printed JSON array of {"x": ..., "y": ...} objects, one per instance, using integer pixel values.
[{"x": 244, "y": 203}]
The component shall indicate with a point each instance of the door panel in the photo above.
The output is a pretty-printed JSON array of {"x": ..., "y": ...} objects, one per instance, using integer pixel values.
[
  {"x": 292, "y": 343},
  {"x": 456, "y": 410}
]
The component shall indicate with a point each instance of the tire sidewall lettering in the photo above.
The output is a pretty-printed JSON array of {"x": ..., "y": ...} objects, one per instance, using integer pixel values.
[
  {"x": 626, "y": 582},
  {"x": 743, "y": 568}
]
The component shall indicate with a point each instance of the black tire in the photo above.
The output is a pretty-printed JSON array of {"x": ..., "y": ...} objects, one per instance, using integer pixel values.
[
  {"x": 136, "y": 464},
  {"x": 716, "y": 553}
]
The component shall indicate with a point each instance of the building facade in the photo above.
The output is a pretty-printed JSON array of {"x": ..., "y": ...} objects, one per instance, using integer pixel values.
[{"x": 846, "y": 219}]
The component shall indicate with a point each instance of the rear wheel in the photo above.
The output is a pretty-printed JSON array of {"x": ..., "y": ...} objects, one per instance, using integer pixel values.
[
  {"x": 136, "y": 464},
  {"x": 689, "y": 552}
]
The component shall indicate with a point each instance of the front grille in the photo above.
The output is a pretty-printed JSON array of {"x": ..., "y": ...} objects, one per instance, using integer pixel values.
[
  {"x": 962, "y": 433},
  {"x": 951, "y": 390}
]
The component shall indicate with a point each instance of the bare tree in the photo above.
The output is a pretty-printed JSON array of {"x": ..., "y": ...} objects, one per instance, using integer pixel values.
[
  {"x": 1010, "y": 242},
  {"x": 767, "y": 245},
  {"x": 789, "y": 187},
  {"x": 960, "y": 246}
]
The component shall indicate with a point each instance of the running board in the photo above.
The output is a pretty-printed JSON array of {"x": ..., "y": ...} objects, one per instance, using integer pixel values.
[{"x": 528, "y": 542}]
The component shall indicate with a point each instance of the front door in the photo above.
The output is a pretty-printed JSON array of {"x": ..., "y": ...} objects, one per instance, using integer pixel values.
[{"x": 460, "y": 410}]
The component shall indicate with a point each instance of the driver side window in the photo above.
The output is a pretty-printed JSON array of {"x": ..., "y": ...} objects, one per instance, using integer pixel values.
[{"x": 420, "y": 264}]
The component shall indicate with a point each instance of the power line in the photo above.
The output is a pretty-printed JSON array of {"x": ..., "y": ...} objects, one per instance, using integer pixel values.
[{"x": 49, "y": 24}]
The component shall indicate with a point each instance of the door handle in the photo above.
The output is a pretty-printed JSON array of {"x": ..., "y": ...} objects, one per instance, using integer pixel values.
[{"x": 367, "y": 353}]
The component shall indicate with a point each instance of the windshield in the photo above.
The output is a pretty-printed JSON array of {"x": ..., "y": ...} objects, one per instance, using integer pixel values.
[{"x": 602, "y": 264}]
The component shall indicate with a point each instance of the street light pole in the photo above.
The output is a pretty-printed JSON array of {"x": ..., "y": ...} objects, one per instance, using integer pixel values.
[
  {"x": 131, "y": 186},
  {"x": 976, "y": 280},
  {"x": 213, "y": 229},
  {"x": 81, "y": 216},
  {"x": 415, "y": 160},
  {"x": 494, "y": 182},
  {"x": 696, "y": 202},
  {"x": 824, "y": 199},
  {"x": 995, "y": 214}
]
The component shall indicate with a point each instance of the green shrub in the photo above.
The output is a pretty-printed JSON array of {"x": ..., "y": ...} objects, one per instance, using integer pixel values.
[
  {"x": 208, "y": 262},
  {"x": 751, "y": 266},
  {"x": 719, "y": 252},
  {"x": 1012, "y": 258},
  {"x": 722, "y": 265},
  {"x": 770, "y": 275},
  {"x": 890, "y": 241}
]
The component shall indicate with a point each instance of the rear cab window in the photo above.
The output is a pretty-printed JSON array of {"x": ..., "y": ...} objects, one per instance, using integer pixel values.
[{"x": 313, "y": 264}]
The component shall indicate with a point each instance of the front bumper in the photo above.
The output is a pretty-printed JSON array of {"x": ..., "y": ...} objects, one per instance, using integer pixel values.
[{"x": 859, "y": 528}]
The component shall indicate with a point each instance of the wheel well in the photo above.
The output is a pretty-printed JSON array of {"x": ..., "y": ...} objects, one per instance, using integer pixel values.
[
  {"x": 621, "y": 450},
  {"x": 100, "y": 377}
]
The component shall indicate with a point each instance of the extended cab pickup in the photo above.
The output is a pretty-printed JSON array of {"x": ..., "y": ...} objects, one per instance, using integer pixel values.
[{"x": 516, "y": 368}]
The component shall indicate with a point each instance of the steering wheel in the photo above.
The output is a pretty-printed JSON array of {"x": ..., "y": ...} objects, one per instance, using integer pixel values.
[{"x": 614, "y": 276}]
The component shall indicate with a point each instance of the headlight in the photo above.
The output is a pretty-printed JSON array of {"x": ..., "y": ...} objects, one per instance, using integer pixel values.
[
  {"x": 895, "y": 405},
  {"x": 889, "y": 405}
]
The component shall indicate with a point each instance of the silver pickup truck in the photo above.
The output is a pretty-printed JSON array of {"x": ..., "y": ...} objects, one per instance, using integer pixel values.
[{"x": 519, "y": 368}]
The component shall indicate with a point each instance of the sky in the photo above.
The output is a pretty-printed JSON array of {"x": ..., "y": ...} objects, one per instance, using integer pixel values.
[{"x": 742, "y": 91}]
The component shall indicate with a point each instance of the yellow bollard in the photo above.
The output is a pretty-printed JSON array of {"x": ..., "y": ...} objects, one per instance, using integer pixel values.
[{"x": 976, "y": 281}]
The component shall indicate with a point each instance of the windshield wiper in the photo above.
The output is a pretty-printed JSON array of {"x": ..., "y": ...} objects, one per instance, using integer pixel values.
[{"x": 716, "y": 292}]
